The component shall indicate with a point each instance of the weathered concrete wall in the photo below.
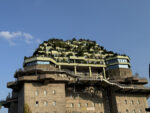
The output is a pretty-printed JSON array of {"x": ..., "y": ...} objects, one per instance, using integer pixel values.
[
  {"x": 43, "y": 66},
  {"x": 131, "y": 103},
  {"x": 21, "y": 100},
  {"x": 83, "y": 102},
  {"x": 119, "y": 73},
  {"x": 13, "y": 108},
  {"x": 53, "y": 97},
  {"x": 48, "y": 98}
]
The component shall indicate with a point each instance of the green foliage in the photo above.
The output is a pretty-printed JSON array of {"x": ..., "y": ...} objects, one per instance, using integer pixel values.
[
  {"x": 74, "y": 39},
  {"x": 110, "y": 52},
  {"x": 54, "y": 39},
  {"x": 80, "y": 53},
  {"x": 70, "y": 54},
  {"x": 79, "y": 47},
  {"x": 27, "y": 109}
]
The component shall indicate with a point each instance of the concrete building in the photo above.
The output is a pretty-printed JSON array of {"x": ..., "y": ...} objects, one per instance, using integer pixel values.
[{"x": 76, "y": 76}]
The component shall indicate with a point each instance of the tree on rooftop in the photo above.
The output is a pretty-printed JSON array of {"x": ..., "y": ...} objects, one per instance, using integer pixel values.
[
  {"x": 54, "y": 39},
  {"x": 63, "y": 54},
  {"x": 102, "y": 47},
  {"x": 70, "y": 54},
  {"x": 80, "y": 53},
  {"x": 74, "y": 39}
]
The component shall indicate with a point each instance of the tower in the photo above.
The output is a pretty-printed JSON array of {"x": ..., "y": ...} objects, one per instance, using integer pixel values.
[{"x": 76, "y": 76}]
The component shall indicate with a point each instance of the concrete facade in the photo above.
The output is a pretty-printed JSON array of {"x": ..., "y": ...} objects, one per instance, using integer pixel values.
[
  {"x": 44, "y": 98},
  {"x": 131, "y": 103},
  {"x": 62, "y": 93}
]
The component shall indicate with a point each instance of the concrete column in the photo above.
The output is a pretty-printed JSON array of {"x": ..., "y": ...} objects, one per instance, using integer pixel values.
[
  {"x": 104, "y": 72},
  {"x": 75, "y": 69},
  {"x": 59, "y": 67},
  {"x": 90, "y": 71}
]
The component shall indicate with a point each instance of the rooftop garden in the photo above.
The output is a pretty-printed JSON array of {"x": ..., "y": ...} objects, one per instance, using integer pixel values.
[
  {"x": 79, "y": 47},
  {"x": 82, "y": 48}
]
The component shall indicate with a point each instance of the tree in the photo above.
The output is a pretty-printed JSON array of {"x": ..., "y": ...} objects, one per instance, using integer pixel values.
[
  {"x": 74, "y": 39},
  {"x": 27, "y": 109}
]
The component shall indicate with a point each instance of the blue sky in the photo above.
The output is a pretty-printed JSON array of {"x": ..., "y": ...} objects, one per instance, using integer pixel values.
[{"x": 119, "y": 25}]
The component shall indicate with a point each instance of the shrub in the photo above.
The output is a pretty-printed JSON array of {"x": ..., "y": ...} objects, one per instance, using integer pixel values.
[{"x": 27, "y": 109}]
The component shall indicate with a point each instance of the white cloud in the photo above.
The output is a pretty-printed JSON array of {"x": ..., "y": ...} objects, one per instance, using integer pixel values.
[
  {"x": 10, "y": 35},
  {"x": 26, "y": 37},
  {"x": 38, "y": 41}
]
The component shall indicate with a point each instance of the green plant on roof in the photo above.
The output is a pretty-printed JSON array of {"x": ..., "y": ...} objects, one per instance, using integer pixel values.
[
  {"x": 79, "y": 47},
  {"x": 27, "y": 109},
  {"x": 70, "y": 54}
]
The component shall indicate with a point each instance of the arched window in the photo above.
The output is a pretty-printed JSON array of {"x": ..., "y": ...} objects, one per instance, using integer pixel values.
[
  {"x": 140, "y": 111},
  {"x": 54, "y": 92},
  {"x": 36, "y": 93},
  {"x": 72, "y": 105},
  {"x": 54, "y": 103},
  {"x": 45, "y": 92},
  {"x": 36, "y": 104},
  {"x": 79, "y": 105},
  {"x": 134, "y": 111},
  {"x": 93, "y": 104},
  {"x": 132, "y": 102},
  {"x": 45, "y": 103},
  {"x": 127, "y": 111},
  {"x": 86, "y": 104}
]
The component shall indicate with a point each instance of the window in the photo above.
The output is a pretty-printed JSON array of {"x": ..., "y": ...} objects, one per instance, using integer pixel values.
[
  {"x": 79, "y": 105},
  {"x": 72, "y": 105},
  {"x": 45, "y": 103},
  {"x": 93, "y": 104},
  {"x": 86, "y": 104},
  {"x": 132, "y": 102},
  {"x": 36, "y": 104},
  {"x": 36, "y": 93},
  {"x": 54, "y": 103},
  {"x": 54, "y": 92},
  {"x": 54, "y": 111},
  {"x": 127, "y": 111},
  {"x": 138, "y": 101},
  {"x": 140, "y": 111},
  {"x": 134, "y": 111},
  {"x": 125, "y": 101},
  {"x": 45, "y": 92}
]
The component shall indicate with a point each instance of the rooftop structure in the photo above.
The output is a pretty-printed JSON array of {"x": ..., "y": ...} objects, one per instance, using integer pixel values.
[{"x": 76, "y": 76}]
